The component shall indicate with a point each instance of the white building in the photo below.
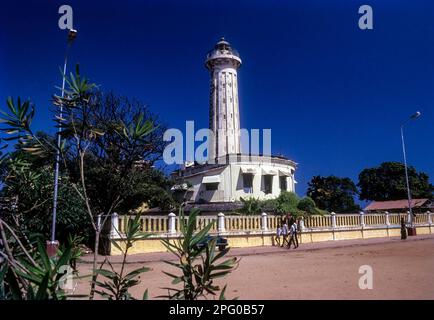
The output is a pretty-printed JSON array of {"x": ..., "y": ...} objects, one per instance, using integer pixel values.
[{"x": 232, "y": 175}]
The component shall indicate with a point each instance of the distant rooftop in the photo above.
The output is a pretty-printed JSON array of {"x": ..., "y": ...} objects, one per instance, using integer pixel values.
[{"x": 397, "y": 204}]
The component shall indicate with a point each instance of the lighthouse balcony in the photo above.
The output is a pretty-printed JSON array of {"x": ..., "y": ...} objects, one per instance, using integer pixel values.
[{"x": 232, "y": 53}]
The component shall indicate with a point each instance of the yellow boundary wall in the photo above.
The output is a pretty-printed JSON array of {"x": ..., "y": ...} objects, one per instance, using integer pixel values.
[{"x": 255, "y": 239}]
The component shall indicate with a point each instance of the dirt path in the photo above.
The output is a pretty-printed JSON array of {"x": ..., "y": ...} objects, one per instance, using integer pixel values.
[{"x": 401, "y": 270}]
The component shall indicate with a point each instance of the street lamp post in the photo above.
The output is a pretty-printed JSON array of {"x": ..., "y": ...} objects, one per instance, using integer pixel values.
[
  {"x": 411, "y": 228},
  {"x": 52, "y": 245}
]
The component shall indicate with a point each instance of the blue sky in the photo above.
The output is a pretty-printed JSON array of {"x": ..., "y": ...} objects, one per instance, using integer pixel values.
[{"x": 333, "y": 95}]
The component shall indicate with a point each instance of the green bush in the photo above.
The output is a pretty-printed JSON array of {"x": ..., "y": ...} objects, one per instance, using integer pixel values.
[
  {"x": 251, "y": 206},
  {"x": 199, "y": 267},
  {"x": 33, "y": 190},
  {"x": 286, "y": 202},
  {"x": 307, "y": 204}
]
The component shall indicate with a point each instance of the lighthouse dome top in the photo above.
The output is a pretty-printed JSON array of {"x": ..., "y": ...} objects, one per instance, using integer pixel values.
[{"x": 222, "y": 53}]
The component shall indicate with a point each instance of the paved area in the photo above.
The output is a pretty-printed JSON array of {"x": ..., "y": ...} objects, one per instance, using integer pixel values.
[{"x": 326, "y": 270}]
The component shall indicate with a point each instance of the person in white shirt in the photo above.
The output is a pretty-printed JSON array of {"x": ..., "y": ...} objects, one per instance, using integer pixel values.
[
  {"x": 293, "y": 235},
  {"x": 285, "y": 233},
  {"x": 278, "y": 234}
]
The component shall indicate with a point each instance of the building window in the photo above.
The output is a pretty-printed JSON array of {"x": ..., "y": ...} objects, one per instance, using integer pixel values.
[
  {"x": 283, "y": 183},
  {"x": 268, "y": 184},
  {"x": 248, "y": 182},
  {"x": 211, "y": 186}
]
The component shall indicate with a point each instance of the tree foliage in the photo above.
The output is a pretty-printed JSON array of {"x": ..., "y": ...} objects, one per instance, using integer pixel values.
[
  {"x": 117, "y": 139},
  {"x": 307, "y": 205},
  {"x": 333, "y": 194},
  {"x": 120, "y": 161},
  {"x": 251, "y": 206},
  {"x": 287, "y": 202},
  {"x": 387, "y": 182},
  {"x": 32, "y": 190},
  {"x": 105, "y": 144}
]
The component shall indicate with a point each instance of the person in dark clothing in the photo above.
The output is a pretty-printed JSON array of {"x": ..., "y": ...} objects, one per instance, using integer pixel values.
[
  {"x": 403, "y": 230},
  {"x": 296, "y": 225}
]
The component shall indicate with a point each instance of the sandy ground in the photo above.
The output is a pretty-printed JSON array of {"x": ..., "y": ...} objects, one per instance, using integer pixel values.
[{"x": 401, "y": 270}]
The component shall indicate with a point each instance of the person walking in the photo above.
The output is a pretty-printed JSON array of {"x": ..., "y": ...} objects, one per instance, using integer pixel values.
[
  {"x": 403, "y": 229},
  {"x": 296, "y": 227},
  {"x": 278, "y": 234},
  {"x": 289, "y": 219},
  {"x": 293, "y": 235},
  {"x": 285, "y": 233}
]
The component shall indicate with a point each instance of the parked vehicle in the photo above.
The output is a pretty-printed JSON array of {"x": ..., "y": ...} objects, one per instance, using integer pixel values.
[{"x": 221, "y": 242}]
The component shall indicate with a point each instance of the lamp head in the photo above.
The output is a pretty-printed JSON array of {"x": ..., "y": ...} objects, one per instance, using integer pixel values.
[
  {"x": 416, "y": 115},
  {"x": 72, "y": 34}
]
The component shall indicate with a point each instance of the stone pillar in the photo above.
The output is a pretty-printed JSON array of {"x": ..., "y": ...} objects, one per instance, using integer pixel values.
[
  {"x": 98, "y": 221},
  {"x": 429, "y": 217},
  {"x": 333, "y": 219},
  {"x": 221, "y": 222},
  {"x": 264, "y": 224},
  {"x": 302, "y": 228},
  {"x": 362, "y": 219},
  {"x": 172, "y": 223},
  {"x": 387, "y": 218},
  {"x": 408, "y": 217},
  {"x": 114, "y": 231}
]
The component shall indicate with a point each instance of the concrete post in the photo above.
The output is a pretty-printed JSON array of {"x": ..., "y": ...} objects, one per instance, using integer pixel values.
[
  {"x": 221, "y": 222},
  {"x": 98, "y": 221},
  {"x": 362, "y": 219},
  {"x": 302, "y": 228},
  {"x": 408, "y": 217},
  {"x": 114, "y": 231},
  {"x": 172, "y": 225},
  {"x": 264, "y": 224},
  {"x": 387, "y": 218},
  {"x": 333, "y": 219},
  {"x": 429, "y": 217}
]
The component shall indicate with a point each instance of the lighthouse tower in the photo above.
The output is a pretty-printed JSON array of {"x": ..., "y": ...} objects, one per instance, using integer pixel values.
[
  {"x": 224, "y": 115},
  {"x": 228, "y": 176}
]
